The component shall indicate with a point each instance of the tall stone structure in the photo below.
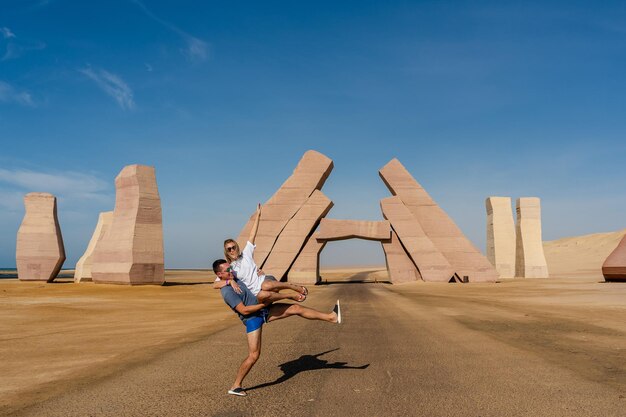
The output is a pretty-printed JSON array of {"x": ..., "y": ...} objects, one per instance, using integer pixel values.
[
  {"x": 444, "y": 234},
  {"x": 308, "y": 176},
  {"x": 82, "y": 271},
  {"x": 530, "y": 260},
  {"x": 306, "y": 268},
  {"x": 399, "y": 266},
  {"x": 419, "y": 240},
  {"x": 295, "y": 233},
  {"x": 501, "y": 235},
  {"x": 39, "y": 251},
  {"x": 430, "y": 262},
  {"x": 614, "y": 267},
  {"x": 131, "y": 252}
]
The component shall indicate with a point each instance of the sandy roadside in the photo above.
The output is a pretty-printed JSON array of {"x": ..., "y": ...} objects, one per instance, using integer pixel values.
[{"x": 52, "y": 335}]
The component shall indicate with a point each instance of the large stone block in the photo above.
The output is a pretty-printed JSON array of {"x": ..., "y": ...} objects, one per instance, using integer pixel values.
[
  {"x": 306, "y": 267},
  {"x": 530, "y": 260},
  {"x": 430, "y": 262},
  {"x": 399, "y": 265},
  {"x": 131, "y": 252},
  {"x": 335, "y": 229},
  {"x": 444, "y": 234},
  {"x": 295, "y": 233},
  {"x": 308, "y": 176},
  {"x": 82, "y": 271},
  {"x": 501, "y": 235},
  {"x": 39, "y": 251},
  {"x": 614, "y": 267}
]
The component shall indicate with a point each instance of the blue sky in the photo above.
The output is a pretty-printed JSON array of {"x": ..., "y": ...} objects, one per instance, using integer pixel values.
[{"x": 474, "y": 98}]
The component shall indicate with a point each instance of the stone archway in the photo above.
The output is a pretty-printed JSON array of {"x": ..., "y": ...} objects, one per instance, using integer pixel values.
[{"x": 419, "y": 239}]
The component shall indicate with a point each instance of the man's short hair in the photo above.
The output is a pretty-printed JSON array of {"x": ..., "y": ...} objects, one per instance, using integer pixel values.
[{"x": 216, "y": 265}]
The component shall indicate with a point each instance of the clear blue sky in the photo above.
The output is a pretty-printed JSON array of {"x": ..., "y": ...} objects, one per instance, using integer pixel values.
[{"x": 474, "y": 98}]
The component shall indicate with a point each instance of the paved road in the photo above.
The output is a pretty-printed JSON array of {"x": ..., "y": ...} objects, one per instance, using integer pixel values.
[{"x": 392, "y": 356}]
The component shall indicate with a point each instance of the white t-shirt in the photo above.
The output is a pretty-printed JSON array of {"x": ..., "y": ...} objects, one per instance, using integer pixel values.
[{"x": 246, "y": 270}]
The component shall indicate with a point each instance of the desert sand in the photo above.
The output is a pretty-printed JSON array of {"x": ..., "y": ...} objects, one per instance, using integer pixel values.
[{"x": 57, "y": 338}]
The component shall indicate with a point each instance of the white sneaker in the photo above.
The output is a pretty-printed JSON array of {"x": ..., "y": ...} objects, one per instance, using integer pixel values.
[
  {"x": 237, "y": 391},
  {"x": 337, "y": 311}
]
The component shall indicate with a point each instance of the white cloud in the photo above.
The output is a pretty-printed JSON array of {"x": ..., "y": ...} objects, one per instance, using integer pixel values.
[
  {"x": 6, "y": 33},
  {"x": 196, "y": 49},
  {"x": 15, "y": 50},
  {"x": 68, "y": 183},
  {"x": 9, "y": 94},
  {"x": 113, "y": 85}
]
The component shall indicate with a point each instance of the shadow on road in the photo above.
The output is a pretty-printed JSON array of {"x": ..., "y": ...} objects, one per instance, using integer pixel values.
[{"x": 306, "y": 363}]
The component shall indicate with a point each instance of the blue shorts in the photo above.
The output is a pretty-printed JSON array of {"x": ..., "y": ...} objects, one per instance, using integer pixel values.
[{"x": 256, "y": 322}]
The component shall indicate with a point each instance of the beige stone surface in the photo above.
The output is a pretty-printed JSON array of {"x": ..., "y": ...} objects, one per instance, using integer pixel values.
[
  {"x": 131, "y": 252},
  {"x": 82, "y": 272},
  {"x": 336, "y": 229},
  {"x": 463, "y": 256},
  {"x": 501, "y": 235},
  {"x": 39, "y": 250},
  {"x": 400, "y": 267},
  {"x": 306, "y": 267},
  {"x": 614, "y": 267},
  {"x": 308, "y": 176},
  {"x": 530, "y": 260},
  {"x": 295, "y": 233},
  {"x": 430, "y": 262}
]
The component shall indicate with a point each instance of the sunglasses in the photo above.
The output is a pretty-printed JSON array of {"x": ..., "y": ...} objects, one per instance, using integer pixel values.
[{"x": 229, "y": 248}]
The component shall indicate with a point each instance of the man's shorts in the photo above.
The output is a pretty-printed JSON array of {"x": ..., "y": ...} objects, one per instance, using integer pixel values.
[{"x": 256, "y": 322}]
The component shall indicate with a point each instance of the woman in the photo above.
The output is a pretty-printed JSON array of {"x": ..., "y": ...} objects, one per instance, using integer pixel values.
[{"x": 265, "y": 287}]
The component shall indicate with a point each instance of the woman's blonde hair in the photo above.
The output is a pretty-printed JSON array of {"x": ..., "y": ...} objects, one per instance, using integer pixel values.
[{"x": 226, "y": 255}]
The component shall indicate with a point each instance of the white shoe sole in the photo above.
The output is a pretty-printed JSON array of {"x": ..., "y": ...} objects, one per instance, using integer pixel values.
[{"x": 338, "y": 312}]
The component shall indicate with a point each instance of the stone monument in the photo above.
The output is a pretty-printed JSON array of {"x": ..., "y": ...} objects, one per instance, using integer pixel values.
[
  {"x": 39, "y": 251},
  {"x": 614, "y": 267},
  {"x": 308, "y": 176},
  {"x": 306, "y": 267},
  {"x": 530, "y": 260},
  {"x": 445, "y": 235},
  {"x": 82, "y": 271},
  {"x": 501, "y": 235},
  {"x": 131, "y": 252}
]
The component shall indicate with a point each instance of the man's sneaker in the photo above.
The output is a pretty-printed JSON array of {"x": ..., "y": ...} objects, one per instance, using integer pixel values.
[
  {"x": 237, "y": 391},
  {"x": 337, "y": 311}
]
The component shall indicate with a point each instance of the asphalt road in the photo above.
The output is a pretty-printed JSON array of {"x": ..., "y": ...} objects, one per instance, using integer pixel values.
[{"x": 392, "y": 356}]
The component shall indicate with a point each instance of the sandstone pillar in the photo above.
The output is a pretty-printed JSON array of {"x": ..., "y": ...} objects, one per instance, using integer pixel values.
[
  {"x": 83, "y": 266},
  {"x": 39, "y": 251},
  {"x": 444, "y": 234},
  {"x": 530, "y": 260},
  {"x": 399, "y": 265},
  {"x": 501, "y": 235},
  {"x": 131, "y": 252},
  {"x": 614, "y": 267},
  {"x": 306, "y": 268}
]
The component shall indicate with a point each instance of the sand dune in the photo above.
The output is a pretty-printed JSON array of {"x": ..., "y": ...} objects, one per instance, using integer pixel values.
[{"x": 580, "y": 256}]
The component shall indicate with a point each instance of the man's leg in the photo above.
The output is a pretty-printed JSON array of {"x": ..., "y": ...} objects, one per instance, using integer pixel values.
[
  {"x": 282, "y": 311},
  {"x": 254, "y": 351}
]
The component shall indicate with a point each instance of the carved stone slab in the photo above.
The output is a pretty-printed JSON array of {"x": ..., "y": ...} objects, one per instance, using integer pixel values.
[
  {"x": 399, "y": 265},
  {"x": 530, "y": 260},
  {"x": 614, "y": 267},
  {"x": 131, "y": 252},
  {"x": 39, "y": 251},
  {"x": 83, "y": 266},
  {"x": 430, "y": 262},
  {"x": 295, "y": 233},
  {"x": 306, "y": 268},
  {"x": 309, "y": 175},
  {"x": 465, "y": 259},
  {"x": 501, "y": 235},
  {"x": 335, "y": 229}
]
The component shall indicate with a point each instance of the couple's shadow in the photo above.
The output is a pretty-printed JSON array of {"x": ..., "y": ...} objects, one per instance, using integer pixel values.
[{"x": 306, "y": 363}]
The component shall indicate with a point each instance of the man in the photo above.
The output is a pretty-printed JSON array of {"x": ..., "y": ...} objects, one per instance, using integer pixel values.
[{"x": 254, "y": 315}]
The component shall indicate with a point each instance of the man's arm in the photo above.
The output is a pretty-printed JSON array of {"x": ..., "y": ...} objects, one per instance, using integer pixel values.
[
  {"x": 220, "y": 283},
  {"x": 245, "y": 310},
  {"x": 255, "y": 226}
]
